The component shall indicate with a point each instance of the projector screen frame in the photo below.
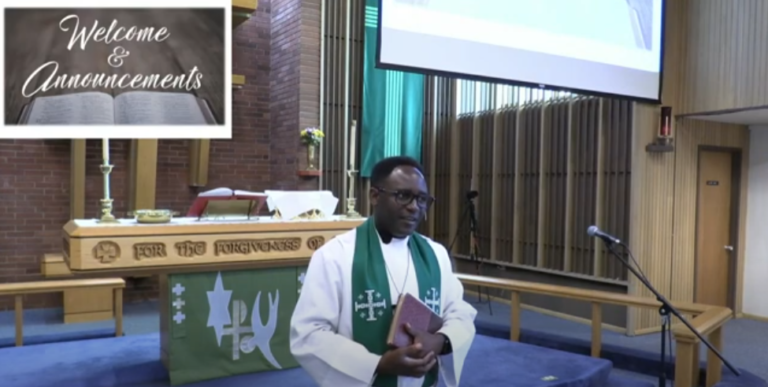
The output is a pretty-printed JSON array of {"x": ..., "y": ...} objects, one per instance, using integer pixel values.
[{"x": 480, "y": 78}]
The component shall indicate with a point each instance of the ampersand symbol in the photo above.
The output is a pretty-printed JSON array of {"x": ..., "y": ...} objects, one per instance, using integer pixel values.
[{"x": 116, "y": 58}]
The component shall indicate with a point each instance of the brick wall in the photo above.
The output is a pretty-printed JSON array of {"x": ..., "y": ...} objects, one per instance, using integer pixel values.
[
  {"x": 273, "y": 50},
  {"x": 294, "y": 94},
  {"x": 34, "y": 204}
]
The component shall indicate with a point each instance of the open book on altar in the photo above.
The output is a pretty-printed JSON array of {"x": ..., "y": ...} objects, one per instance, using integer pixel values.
[
  {"x": 223, "y": 202},
  {"x": 129, "y": 108},
  {"x": 289, "y": 205}
]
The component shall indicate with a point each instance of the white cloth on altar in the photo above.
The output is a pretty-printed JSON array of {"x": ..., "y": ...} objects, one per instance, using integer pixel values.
[
  {"x": 321, "y": 326},
  {"x": 294, "y": 203}
]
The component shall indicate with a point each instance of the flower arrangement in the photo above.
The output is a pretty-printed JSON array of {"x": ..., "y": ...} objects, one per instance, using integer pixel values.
[{"x": 312, "y": 136}]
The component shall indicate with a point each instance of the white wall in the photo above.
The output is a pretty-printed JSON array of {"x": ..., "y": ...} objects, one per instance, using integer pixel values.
[{"x": 756, "y": 253}]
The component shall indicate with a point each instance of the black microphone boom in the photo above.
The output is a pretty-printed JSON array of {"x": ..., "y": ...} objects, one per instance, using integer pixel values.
[
  {"x": 472, "y": 194},
  {"x": 593, "y": 231},
  {"x": 666, "y": 309}
]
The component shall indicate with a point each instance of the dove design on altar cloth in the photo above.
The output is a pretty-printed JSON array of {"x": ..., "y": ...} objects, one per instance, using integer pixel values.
[{"x": 244, "y": 338}]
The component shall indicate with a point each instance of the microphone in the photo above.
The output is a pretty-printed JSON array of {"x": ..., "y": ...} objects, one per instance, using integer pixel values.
[
  {"x": 472, "y": 194},
  {"x": 593, "y": 231}
]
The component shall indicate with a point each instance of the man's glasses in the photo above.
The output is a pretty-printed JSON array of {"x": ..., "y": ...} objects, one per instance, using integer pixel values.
[{"x": 404, "y": 198}]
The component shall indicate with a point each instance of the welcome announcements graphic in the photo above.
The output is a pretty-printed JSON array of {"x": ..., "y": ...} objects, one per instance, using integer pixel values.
[{"x": 116, "y": 67}]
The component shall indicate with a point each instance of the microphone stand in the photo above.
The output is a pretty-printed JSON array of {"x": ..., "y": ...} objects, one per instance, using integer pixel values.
[
  {"x": 475, "y": 251},
  {"x": 474, "y": 248},
  {"x": 664, "y": 311}
]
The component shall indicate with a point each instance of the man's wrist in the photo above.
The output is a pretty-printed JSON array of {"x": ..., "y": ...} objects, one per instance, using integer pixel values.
[
  {"x": 381, "y": 366},
  {"x": 445, "y": 345}
]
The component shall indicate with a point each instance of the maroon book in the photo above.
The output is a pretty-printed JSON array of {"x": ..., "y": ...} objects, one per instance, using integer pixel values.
[
  {"x": 410, "y": 310},
  {"x": 256, "y": 199}
]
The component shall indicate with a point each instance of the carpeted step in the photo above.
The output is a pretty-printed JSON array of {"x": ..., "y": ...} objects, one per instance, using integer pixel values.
[
  {"x": 529, "y": 365},
  {"x": 134, "y": 360},
  {"x": 60, "y": 337},
  {"x": 746, "y": 379},
  {"x": 615, "y": 380},
  {"x": 623, "y": 358}
]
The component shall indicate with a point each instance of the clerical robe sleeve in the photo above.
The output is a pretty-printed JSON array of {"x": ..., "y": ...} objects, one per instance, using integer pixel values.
[
  {"x": 330, "y": 358},
  {"x": 458, "y": 320}
]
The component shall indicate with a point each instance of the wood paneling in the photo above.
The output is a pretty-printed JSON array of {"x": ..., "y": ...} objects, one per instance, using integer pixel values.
[
  {"x": 530, "y": 152},
  {"x": 77, "y": 179},
  {"x": 341, "y": 91},
  {"x": 505, "y": 179},
  {"x": 445, "y": 110},
  {"x": 725, "y": 52},
  {"x": 484, "y": 129},
  {"x": 199, "y": 157},
  {"x": 439, "y": 111},
  {"x": 533, "y": 157},
  {"x": 585, "y": 115},
  {"x": 143, "y": 175},
  {"x": 664, "y": 206},
  {"x": 465, "y": 176},
  {"x": 340, "y": 86},
  {"x": 554, "y": 181},
  {"x": 692, "y": 134},
  {"x": 614, "y": 188},
  {"x": 714, "y": 60},
  {"x": 651, "y": 211}
]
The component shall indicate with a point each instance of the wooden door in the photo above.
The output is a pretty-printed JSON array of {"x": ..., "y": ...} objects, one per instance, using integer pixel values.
[{"x": 714, "y": 250}]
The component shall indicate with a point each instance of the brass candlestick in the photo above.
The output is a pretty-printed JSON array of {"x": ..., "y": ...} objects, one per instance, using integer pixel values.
[
  {"x": 351, "y": 201},
  {"x": 106, "y": 202}
]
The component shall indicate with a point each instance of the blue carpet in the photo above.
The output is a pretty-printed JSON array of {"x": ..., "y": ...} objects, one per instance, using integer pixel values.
[
  {"x": 617, "y": 381},
  {"x": 630, "y": 359},
  {"x": 60, "y": 337},
  {"x": 638, "y": 362},
  {"x": 134, "y": 361}
]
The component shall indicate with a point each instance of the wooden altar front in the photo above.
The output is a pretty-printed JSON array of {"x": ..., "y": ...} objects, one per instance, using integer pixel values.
[{"x": 227, "y": 288}]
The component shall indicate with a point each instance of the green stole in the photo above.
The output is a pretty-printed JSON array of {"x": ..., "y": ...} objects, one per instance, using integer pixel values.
[{"x": 371, "y": 310}]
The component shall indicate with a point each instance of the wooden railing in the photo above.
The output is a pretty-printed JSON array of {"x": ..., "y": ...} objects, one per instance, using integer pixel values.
[
  {"x": 708, "y": 321},
  {"x": 19, "y": 289}
]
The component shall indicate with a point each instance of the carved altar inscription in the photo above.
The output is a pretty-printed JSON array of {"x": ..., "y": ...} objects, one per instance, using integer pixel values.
[
  {"x": 315, "y": 242},
  {"x": 253, "y": 246},
  {"x": 149, "y": 251},
  {"x": 106, "y": 252},
  {"x": 190, "y": 249}
]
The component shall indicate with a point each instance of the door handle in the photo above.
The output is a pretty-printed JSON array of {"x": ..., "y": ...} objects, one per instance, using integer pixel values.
[{"x": 729, "y": 248}]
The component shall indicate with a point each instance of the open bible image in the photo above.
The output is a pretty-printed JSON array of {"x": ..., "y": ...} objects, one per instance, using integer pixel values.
[
  {"x": 130, "y": 108},
  {"x": 380, "y": 305},
  {"x": 116, "y": 66}
]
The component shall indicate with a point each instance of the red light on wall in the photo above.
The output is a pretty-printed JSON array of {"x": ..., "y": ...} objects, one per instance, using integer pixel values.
[{"x": 665, "y": 127}]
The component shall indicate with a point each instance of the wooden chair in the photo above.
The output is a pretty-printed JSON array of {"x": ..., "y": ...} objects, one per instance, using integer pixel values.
[{"x": 19, "y": 289}]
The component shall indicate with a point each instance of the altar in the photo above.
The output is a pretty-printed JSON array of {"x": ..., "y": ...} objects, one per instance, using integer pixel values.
[
  {"x": 228, "y": 287},
  {"x": 229, "y": 277}
]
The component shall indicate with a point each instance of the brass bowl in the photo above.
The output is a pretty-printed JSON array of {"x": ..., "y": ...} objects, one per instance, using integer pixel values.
[{"x": 153, "y": 216}]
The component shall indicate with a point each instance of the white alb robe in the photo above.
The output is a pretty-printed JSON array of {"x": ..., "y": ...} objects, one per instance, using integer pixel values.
[{"x": 321, "y": 326}]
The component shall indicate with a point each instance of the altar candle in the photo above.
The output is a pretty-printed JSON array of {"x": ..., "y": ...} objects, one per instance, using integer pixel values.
[
  {"x": 352, "y": 145},
  {"x": 105, "y": 150},
  {"x": 106, "y": 187}
]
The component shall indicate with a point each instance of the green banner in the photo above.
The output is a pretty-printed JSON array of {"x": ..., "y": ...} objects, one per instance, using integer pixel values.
[
  {"x": 393, "y": 105},
  {"x": 230, "y": 322}
]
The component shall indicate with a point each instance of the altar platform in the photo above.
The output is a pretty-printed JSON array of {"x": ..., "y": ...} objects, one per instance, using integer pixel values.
[
  {"x": 135, "y": 361},
  {"x": 634, "y": 359}
]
